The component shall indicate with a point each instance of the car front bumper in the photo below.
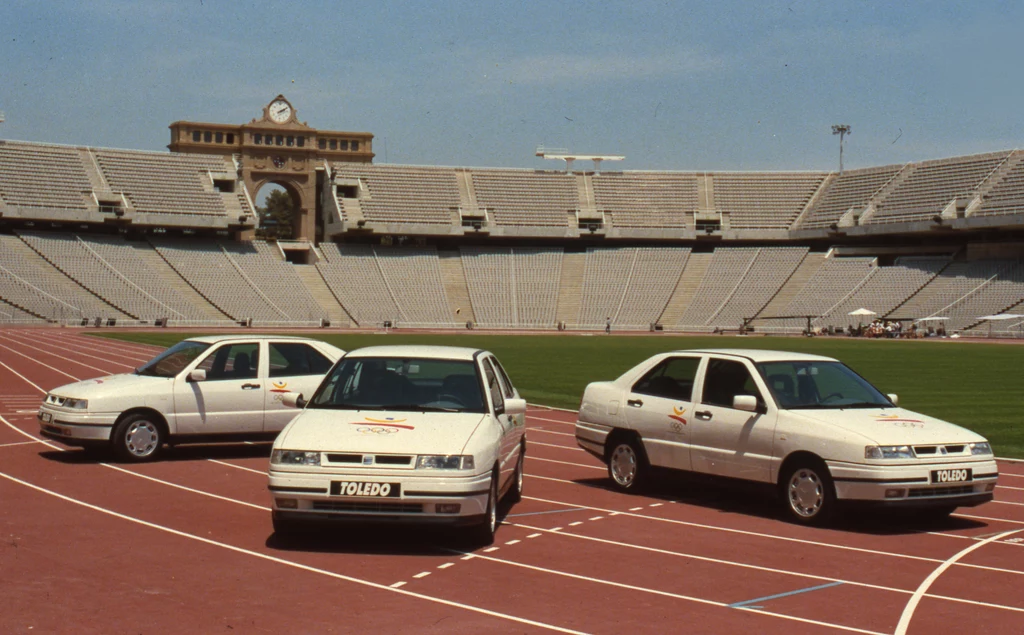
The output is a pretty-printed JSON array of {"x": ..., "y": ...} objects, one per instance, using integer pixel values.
[
  {"x": 911, "y": 485},
  {"x": 310, "y": 496},
  {"x": 75, "y": 427}
]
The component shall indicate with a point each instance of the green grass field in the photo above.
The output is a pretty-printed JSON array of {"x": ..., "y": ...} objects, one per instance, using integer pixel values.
[{"x": 979, "y": 386}]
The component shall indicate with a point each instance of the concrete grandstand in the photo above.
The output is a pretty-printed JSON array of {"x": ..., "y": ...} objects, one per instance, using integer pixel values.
[{"x": 103, "y": 236}]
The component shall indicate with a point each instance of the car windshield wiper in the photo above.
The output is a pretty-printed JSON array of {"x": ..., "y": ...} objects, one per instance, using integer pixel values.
[
  {"x": 866, "y": 404},
  {"x": 337, "y": 406},
  {"x": 421, "y": 408}
]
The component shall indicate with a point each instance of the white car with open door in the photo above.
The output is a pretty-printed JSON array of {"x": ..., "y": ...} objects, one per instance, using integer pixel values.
[
  {"x": 807, "y": 424},
  {"x": 403, "y": 433},
  {"x": 216, "y": 388}
]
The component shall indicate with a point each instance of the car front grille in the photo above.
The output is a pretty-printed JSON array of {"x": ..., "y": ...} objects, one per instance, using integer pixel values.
[
  {"x": 373, "y": 507},
  {"x": 941, "y": 491},
  {"x": 929, "y": 451},
  {"x": 370, "y": 459}
]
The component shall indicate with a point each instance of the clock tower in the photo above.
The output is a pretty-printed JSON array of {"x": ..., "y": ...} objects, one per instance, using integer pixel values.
[{"x": 277, "y": 148}]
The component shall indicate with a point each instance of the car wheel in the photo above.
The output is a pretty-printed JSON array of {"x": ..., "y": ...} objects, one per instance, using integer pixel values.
[
  {"x": 482, "y": 534},
  {"x": 137, "y": 437},
  {"x": 808, "y": 493},
  {"x": 515, "y": 493},
  {"x": 627, "y": 465}
]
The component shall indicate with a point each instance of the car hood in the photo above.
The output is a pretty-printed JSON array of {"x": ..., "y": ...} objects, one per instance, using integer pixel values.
[
  {"x": 111, "y": 386},
  {"x": 318, "y": 430},
  {"x": 892, "y": 426}
]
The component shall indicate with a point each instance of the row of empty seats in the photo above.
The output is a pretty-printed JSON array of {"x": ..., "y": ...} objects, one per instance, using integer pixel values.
[
  {"x": 629, "y": 285},
  {"x": 514, "y": 286}
]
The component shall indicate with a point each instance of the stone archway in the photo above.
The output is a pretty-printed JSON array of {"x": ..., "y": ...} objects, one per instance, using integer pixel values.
[{"x": 270, "y": 197}]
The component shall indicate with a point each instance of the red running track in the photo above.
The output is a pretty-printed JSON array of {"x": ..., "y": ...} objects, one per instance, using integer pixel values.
[{"x": 185, "y": 545}]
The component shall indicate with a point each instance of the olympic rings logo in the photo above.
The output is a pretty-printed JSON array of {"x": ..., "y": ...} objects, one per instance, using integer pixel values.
[{"x": 376, "y": 430}]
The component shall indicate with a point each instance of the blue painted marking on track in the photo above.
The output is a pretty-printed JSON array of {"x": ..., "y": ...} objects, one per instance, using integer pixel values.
[
  {"x": 747, "y": 603},
  {"x": 552, "y": 511}
]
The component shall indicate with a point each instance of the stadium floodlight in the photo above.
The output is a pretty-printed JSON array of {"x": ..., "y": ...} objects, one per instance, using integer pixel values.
[{"x": 842, "y": 130}]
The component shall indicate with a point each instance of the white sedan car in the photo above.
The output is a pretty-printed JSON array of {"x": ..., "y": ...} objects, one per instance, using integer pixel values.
[
  {"x": 201, "y": 389},
  {"x": 403, "y": 433},
  {"x": 807, "y": 424}
]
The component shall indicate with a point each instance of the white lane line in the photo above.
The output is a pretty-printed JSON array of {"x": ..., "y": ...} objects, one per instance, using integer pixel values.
[
  {"x": 113, "y": 351},
  {"x": 536, "y": 418},
  {"x": 422, "y": 574},
  {"x": 990, "y": 518},
  {"x": 771, "y": 536},
  {"x": 677, "y": 596},
  {"x": 576, "y": 523},
  {"x": 467, "y": 557},
  {"x": 512, "y": 542},
  {"x": 597, "y": 518},
  {"x": 26, "y": 379},
  {"x": 1011, "y": 474},
  {"x": 102, "y": 370},
  {"x": 635, "y": 509},
  {"x": 756, "y": 567},
  {"x": 530, "y": 457},
  {"x": 1019, "y": 489},
  {"x": 64, "y": 353},
  {"x": 655, "y": 505},
  {"x": 1013, "y": 542},
  {"x": 533, "y": 535},
  {"x": 290, "y": 563},
  {"x": 398, "y": 585},
  {"x": 1007, "y": 503},
  {"x": 446, "y": 565},
  {"x": 908, "y": 610},
  {"x": 555, "y": 529},
  {"x": 490, "y": 549},
  {"x": 7, "y": 445},
  {"x": 560, "y": 447},
  {"x": 239, "y": 467},
  {"x": 563, "y": 434}
]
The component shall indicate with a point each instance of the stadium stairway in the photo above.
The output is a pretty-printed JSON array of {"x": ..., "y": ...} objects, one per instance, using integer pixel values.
[
  {"x": 686, "y": 288},
  {"x": 807, "y": 268},
  {"x": 314, "y": 283},
  {"x": 158, "y": 265},
  {"x": 453, "y": 276},
  {"x": 570, "y": 288}
]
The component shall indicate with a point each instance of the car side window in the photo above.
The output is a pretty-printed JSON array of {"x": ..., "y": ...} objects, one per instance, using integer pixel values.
[
  {"x": 724, "y": 380},
  {"x": 671, "y": 379},
  {"x": 497, "y": 401},
  {"x": 506, "y": 385},
  {"x": 233, "y": 361},
  {"x": 289, "y": 359}
]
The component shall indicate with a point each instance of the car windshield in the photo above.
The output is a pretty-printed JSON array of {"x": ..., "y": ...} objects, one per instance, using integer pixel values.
[
  {"x": 819, "y": 385},
  {"x": 172, "y": 361},
  {"x": 402, "y": 384}
]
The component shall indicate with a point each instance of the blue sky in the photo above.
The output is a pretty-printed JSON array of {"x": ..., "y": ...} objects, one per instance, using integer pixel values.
[{"x": 671, "y": 85}]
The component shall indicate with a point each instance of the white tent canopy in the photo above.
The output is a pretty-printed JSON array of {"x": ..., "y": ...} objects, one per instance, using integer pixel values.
[
  {"x": 930, "y": 319},
  {"x": 1001, "y": 316},
  {"x": 862, "y": 311}
]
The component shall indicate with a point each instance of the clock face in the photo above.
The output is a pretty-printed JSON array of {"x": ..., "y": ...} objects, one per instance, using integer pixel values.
[{"x": 280, "y": 111}]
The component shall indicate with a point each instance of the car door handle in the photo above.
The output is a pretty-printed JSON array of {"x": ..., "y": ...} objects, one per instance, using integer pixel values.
[
  {"x": 250, "y": 386},
  {"x": 636, "y": 403},
  {"x": 703, "y": 415}
]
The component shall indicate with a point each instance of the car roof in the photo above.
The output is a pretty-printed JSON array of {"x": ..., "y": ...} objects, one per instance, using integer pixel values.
[
  {"x": 216, "y": 339},
  {"x": 418, "y": 350},
  {"x": 759, "y": 355}
]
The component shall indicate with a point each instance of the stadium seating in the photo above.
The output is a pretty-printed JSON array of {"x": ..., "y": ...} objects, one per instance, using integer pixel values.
[
  {"x": 646, "y": 199},
  {"x": 764, "y": 200},
  {"x": 728, "y": 266},
  {"x": 404, "y": 194},
  {"x": 826, "y": 288},
  {"x": 40, "y": 175},
  {"x": 852, "y": 189},
  {"x": 513, "y": 287},
  {"x": 1006, "y": 195},
  {"x": 526, "y": 197},
  {"x": 631, "y": 286}
]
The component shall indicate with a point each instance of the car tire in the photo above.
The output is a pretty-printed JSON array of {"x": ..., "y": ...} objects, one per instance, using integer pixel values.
[
  {"x": 138, "y": 437},
  {"x": 515, "y": 493},
  {"x": 627, "y": 464},
  {"x": 482, "y": 534},
  {"x": 808, "y": 493}
]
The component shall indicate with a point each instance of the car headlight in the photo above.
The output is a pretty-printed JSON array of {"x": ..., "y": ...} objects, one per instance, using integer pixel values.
[
  {"x": 444, "y": 462},
  {"x": 981, "y": 448},
  {"x": 77, "y": 404},
  {"x": 295, "y": 457},
  {"x": 888, "y": 452}
]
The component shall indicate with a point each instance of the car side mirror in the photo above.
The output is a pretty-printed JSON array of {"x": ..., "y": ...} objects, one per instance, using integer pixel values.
[
  {"x": 747, "y": 403},
  {"x": 197, "y": 375},
  {"x": 894, "y": 398},
  {"x": 293, "y": 400},
  {"x": 515, "y": 406}
]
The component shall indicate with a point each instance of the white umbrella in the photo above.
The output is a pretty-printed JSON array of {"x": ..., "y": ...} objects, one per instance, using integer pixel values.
[
  {"x": 930, "y": 319},
  {"x": 1001, "y": 316},
  {"x": 862, "y": 311}
]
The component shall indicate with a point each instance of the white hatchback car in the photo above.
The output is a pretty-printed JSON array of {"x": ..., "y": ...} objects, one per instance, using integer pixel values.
[
  {"x": 807, "y": 424},
  {"x": 403, "y": 433},
  {"x": 216, "y": 388}
]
